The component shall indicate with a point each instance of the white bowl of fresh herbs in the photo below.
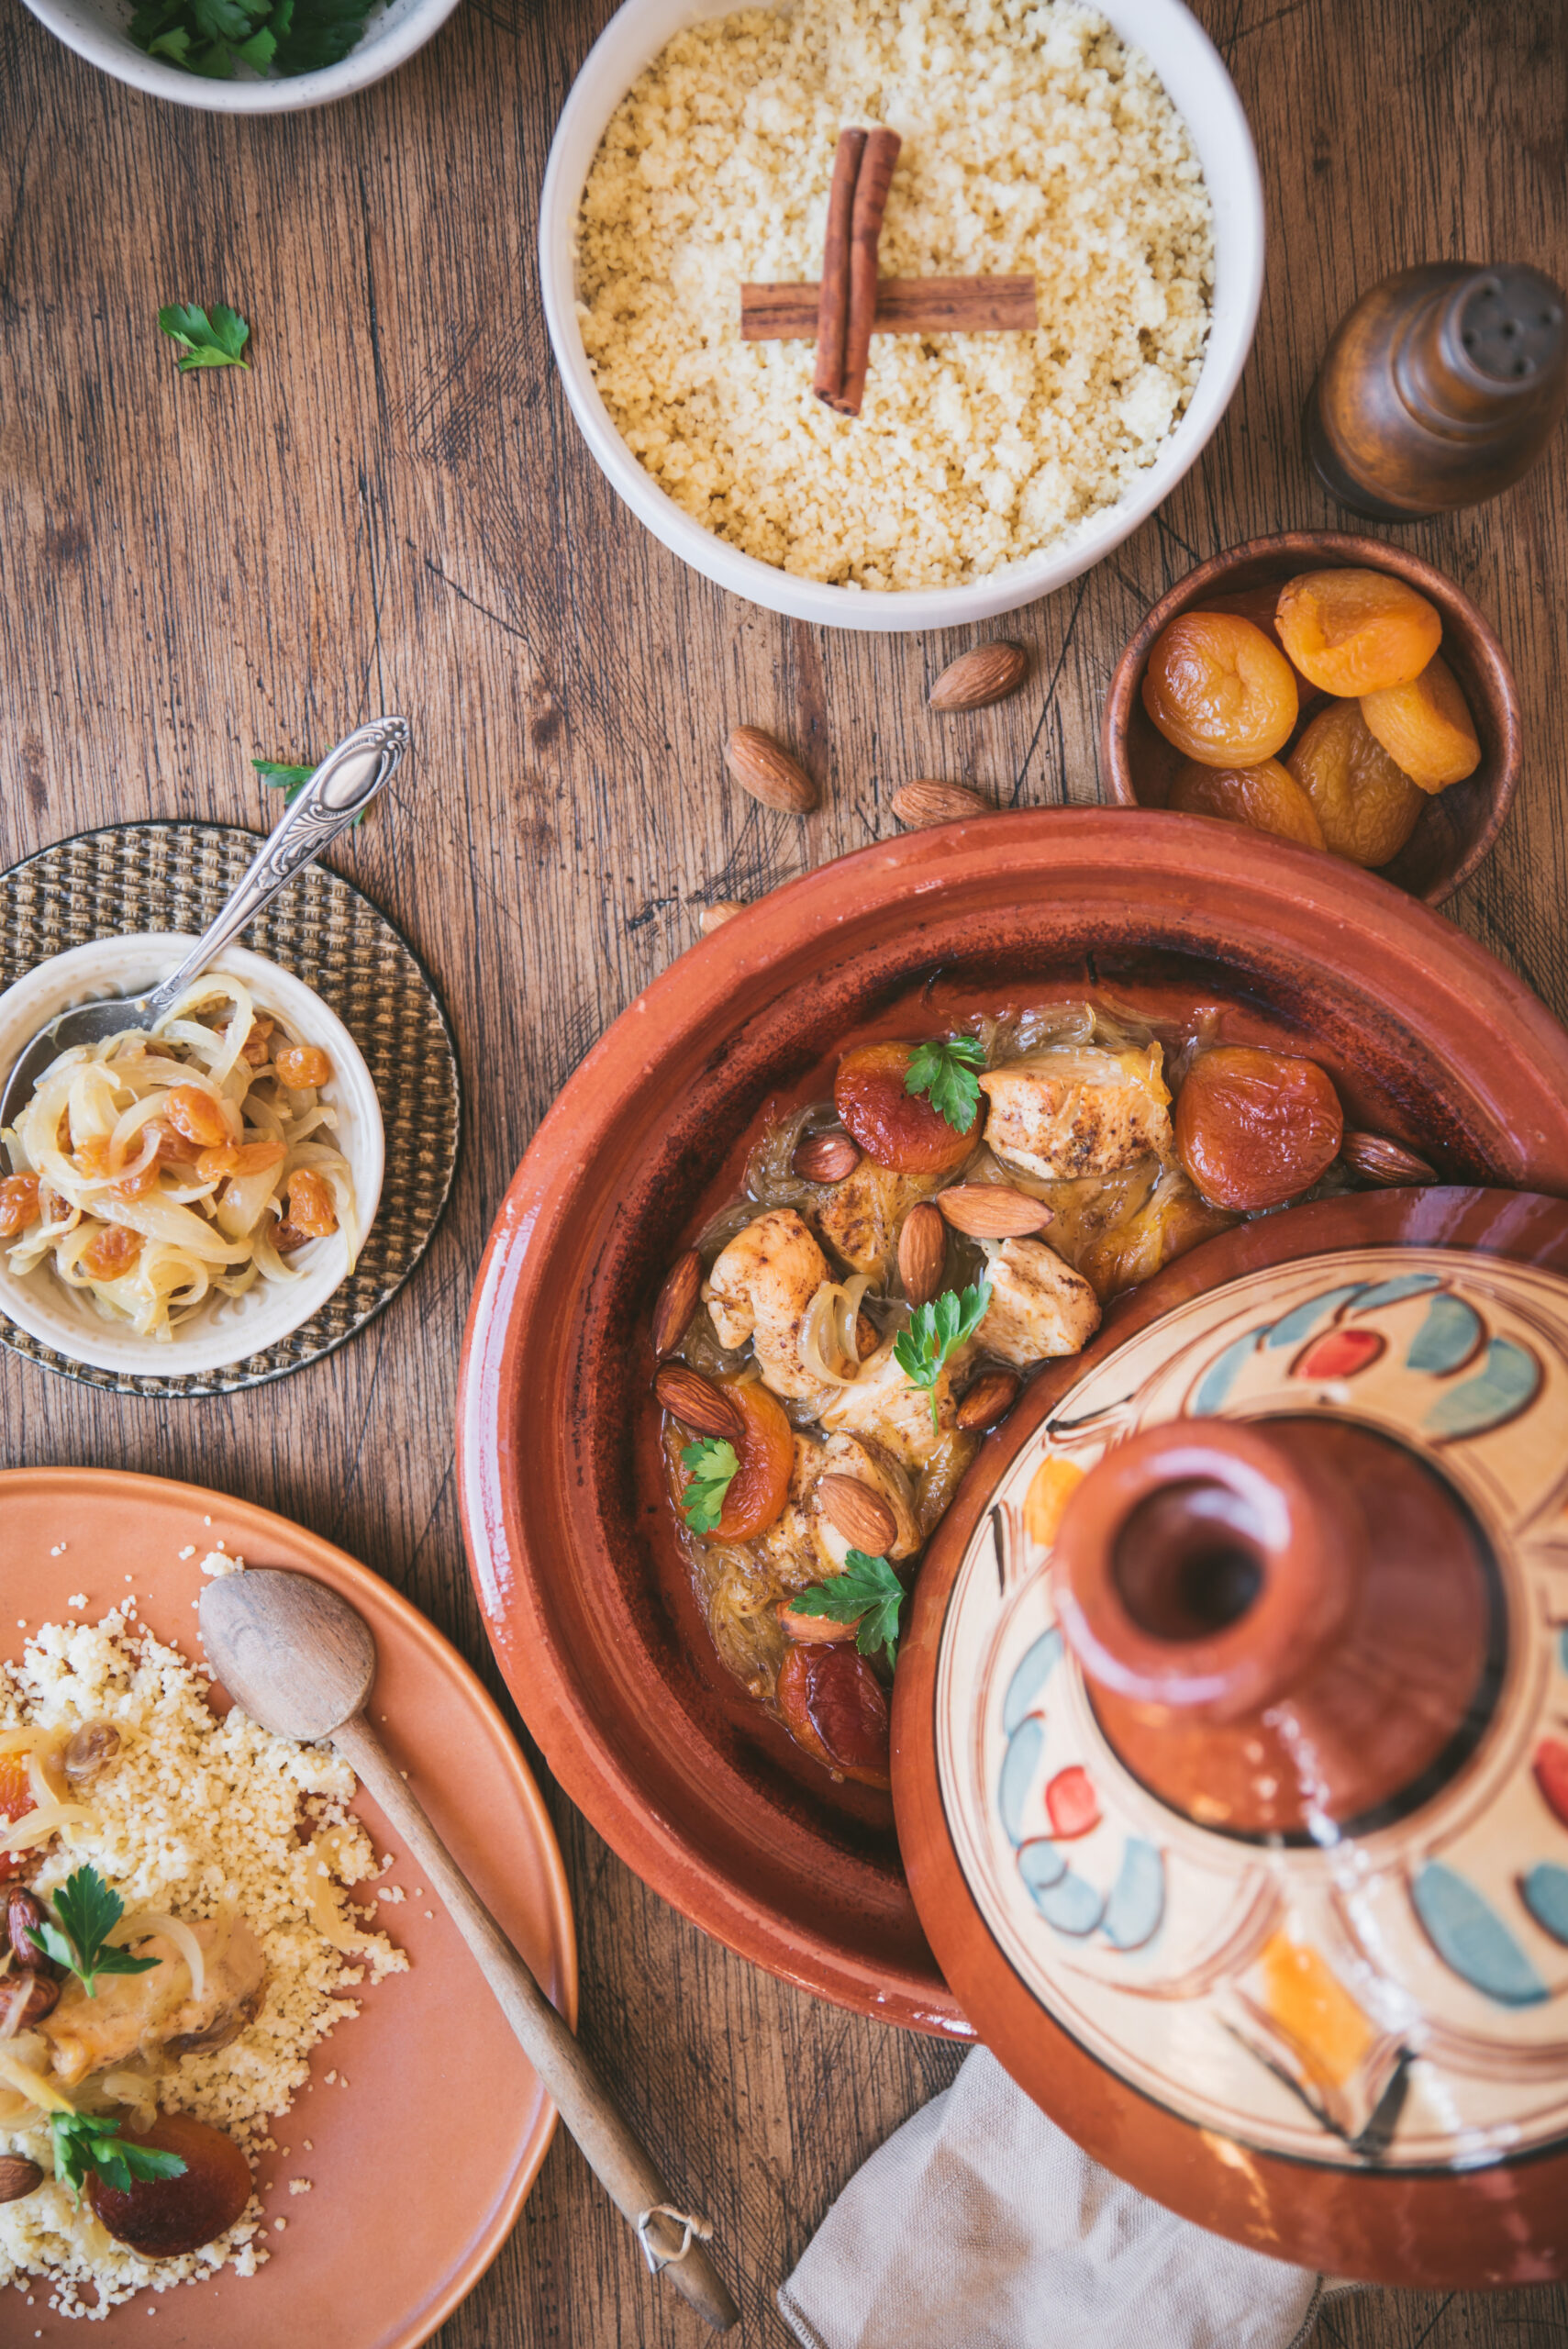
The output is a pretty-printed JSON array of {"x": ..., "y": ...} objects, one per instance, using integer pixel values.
[{"x": 245, "y": 56}]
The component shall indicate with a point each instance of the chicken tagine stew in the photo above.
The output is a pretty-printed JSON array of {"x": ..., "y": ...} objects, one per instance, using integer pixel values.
[{"x": 900, "y": 1258}]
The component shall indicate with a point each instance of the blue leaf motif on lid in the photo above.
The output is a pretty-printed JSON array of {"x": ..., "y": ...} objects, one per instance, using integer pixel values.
[
  {"x": 1503, "y": 1386},
  {"x": 1468, "y": 1934},
  {"x": 1448, "y": 1335},
  {"x": 1017, "y": 1775},
  {"x": 1544, "y": 1892},
  {"x": 1223, "y": 1371},
  {"x": 1071, "y": 1904},
  {"x": 1029, "y": 1677},
  {"x": 1137, "y": 1897},
  {"x": 1563, "y": 1647},
  {"x": 1040, "y": 1864},
  {"x": 1395, "y": 1291},
  {"x": 1302, "y": 1320}
]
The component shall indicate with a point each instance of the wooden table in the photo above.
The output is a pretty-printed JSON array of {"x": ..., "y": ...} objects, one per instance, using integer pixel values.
[{"x": 394, "y": 511}]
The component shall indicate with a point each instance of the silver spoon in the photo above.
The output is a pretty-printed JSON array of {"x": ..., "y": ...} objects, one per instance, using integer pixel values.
[{"x": 341, "y": 788}]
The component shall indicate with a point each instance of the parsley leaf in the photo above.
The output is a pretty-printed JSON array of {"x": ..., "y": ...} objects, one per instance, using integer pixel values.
[
  {"x": 278, "y": 775},
  {"x": 945, "y": 1073},
  {"x": 212, "y": 37},
  {"x": 88, "y": 1912},
  {"x": 87, "y": 2140},
  {"x": 203, "y": 338},
  {"x": 712, "y": 1465},
  {"x": 867, "y": 1592},
  {"x": 935, "y": 1331}
]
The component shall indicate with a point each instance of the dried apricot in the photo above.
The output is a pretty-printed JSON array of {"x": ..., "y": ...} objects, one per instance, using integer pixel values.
[
  {"x": 1257, "y": 604},
  {"x": 1254, "y": 1129},
  {"x": 18, "y": 1204},
  {"x": 766, "y": 1449},
  {"x": 1426, "y": 727},
  {"x": 833, "y": 1705},
  {"x": 1266, "y": 796},
  {"x": 1366, "y": 807},
  {"x": 898, "y": 1129},
  {"x": 166, "y": 2217},
  {"x": 1219, "y": 689},
  {"x": 1356, "y": 631}
]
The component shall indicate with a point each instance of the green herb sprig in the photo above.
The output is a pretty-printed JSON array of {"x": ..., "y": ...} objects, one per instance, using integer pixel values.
[
  {"x": 934, "y": 1332},
  {"x": 279, "y": 775},
  {"x": 87, "y": 1913},
  {"x": 945, "y": 1073},
  {"x": 212, "y": 337},
  {"x": 87, "y": 2141},
  {"x": 867, "y": 1593},
  {"x": 712, "y": 1465},
  {"x": 213, "y": 38}
]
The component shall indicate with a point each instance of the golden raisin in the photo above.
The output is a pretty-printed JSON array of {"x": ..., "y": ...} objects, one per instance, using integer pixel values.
[
  {"x": 311, "y": 1209},
  {"x": 1367, "y": 809},
  {"x": 253, "y": 1050},
  {"x": 1267, "y": 796},
  {"x": 195, "y": 1116},
  {"x": 1356, "y": 631},
  {"x": 18, "y": 1204},
  {"x": 240, "y": 1158},
  {"x": 299, "y": 1065},
  {"x": 111, "y": 1252},
  {"x": 91, "y": 1156},
  {"x": 1219, "y": 689},
  {"x": 1426, "y": 727}
]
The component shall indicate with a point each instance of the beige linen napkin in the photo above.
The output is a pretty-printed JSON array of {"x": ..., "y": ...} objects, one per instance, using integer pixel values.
[{"x": 979, "y": 2226}]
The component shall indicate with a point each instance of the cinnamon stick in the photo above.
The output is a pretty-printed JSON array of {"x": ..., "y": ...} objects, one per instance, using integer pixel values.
[
  {"x": 872, "y": 183},
  {"x": 832, "y": 310},
  {"x": 903, "y": 305}
]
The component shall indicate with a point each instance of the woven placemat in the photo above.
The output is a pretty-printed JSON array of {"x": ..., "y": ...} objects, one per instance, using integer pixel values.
[{"x": 175, "y": 877}]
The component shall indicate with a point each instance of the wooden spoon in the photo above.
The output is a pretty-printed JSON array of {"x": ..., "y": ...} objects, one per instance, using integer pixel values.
[{"x": 301, "y": 1661}]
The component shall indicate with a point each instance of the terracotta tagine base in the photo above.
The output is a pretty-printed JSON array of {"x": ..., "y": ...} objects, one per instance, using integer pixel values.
[{"x": 1229, "y": 1751}]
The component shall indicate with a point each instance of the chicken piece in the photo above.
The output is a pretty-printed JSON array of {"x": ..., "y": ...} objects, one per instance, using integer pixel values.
[
  {"x": 760, "y": 1288},
  {"x": 882, "y": 1405},
  {"x": 156, "y": 2011},
  {"x": 1069, "y": 1114},
  {"x": 859, "y": 1217},
  {"x": 1040, "y": 1308},
  {"x": 791, "y": 1548},
  {"x": 862, "y": 1458}
]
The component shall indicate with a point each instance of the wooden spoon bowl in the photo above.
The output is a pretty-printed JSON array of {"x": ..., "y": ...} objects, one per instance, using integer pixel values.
[{"x": 1457, "y": 827}]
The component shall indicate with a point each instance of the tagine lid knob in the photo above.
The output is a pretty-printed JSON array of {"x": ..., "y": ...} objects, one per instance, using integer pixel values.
[{"x": 1230, "y": 1742}]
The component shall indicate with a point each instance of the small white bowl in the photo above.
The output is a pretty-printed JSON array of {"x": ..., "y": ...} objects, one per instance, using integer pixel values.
[
  {"x": 1203, "y": 94},
  {"x": 95, "y": 29},
  {"x": 226, "y": 1330}
]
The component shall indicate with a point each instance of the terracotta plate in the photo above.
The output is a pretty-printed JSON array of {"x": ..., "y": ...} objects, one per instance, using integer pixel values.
[
  {"x": 420, "y": 2164},
  {"x": 1427, "y": 1037},
  {"x": 1301, "y": 2194}
]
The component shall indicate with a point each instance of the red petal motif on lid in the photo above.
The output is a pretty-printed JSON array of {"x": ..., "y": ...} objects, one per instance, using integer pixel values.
[
  {"x": 1339, "y": 1355},
  {"x": 1550, "y": 1766},
  {"x": 1071, "y": 1804}
]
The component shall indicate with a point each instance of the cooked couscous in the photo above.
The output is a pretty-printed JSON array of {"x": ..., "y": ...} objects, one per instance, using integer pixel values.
[{"x": 1034, "y": 141}]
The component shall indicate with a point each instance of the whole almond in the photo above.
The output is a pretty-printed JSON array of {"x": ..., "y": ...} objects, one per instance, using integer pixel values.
[
  {"x": 714, "y": 917},
  {"x": 929, "y": 802},
  {"x": 766, "y": 769},
  {"x": 24, "y": 1915},
  {"x": 1388, "y": 1164},
  {"x": 862, "y": 1516},
  {"x": 922, "y": 1253},
  {"x": 696, "y": 1401},
  {"x": 826, "y": 1158},
  {"x": 17, "y": 2177},
  {"x": 820, "y": 1629},
  {"x": 676, "y": 1303},
  {"x": 993, "y": 1211},
  {"x": 987, "y": 672},
  {"x": 990, "y": 1399}
]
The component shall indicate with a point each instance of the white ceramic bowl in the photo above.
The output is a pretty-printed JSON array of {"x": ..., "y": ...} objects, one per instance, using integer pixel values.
[
  {"x": 1201, "y": 90},
  {"x": 95, "y": 29},
  {"x": 226, "y": 1330}
]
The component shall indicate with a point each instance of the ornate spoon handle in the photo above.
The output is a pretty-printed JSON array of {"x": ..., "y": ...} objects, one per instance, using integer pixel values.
[{"x": 341, "y": 788}]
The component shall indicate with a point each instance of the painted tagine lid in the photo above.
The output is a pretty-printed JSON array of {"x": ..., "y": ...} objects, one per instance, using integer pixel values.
[{"x": 1231, "y": 1739}]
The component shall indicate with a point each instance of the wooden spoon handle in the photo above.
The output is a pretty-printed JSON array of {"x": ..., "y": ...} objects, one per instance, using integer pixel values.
[{"x": 612, "y": 2151}]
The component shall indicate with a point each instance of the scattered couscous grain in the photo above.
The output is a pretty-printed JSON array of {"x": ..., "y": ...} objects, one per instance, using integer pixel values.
[
  {"x": 197, "y": 1817},
  {"x": 1035, "y": 141}
]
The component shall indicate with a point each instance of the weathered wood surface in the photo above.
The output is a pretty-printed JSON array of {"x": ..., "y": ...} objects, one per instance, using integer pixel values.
[{"x": 394, "y": 511}]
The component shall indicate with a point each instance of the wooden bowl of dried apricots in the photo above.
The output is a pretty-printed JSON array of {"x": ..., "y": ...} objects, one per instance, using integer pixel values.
[{"x": 1331, "y": 689}]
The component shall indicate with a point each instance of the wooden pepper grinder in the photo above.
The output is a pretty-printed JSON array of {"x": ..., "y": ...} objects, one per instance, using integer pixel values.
[{"x": 1440, "y": 387}]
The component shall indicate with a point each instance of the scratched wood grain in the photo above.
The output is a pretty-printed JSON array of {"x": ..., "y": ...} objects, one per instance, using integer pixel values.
[{"x": 393, "y": 510}]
